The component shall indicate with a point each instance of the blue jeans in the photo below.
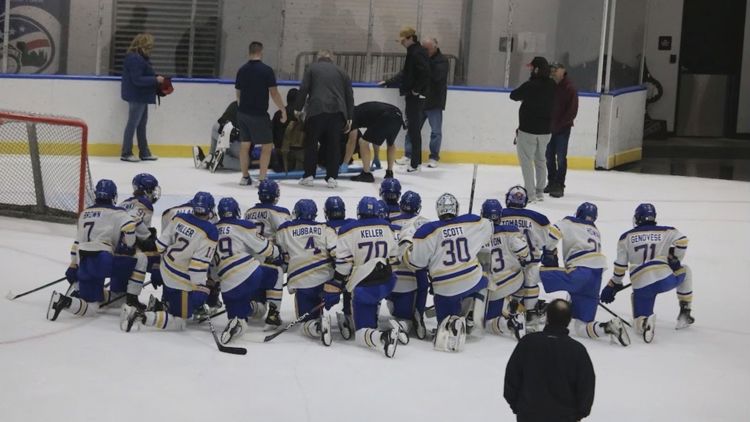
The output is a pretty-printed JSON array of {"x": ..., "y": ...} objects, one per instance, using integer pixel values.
[
  {"x": 557, "y": 157},
  {"x": 435, "y": 117},
  {"x": 137, "y": 119}
]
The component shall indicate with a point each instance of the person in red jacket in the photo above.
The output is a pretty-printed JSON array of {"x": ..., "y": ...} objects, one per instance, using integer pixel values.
[{"x": 564, "y": 112}]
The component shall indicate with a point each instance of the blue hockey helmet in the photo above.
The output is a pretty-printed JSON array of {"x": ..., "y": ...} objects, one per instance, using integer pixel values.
[
  {"x": 492, "y": 210},
  {"x": 203, "y": 204},
  {"x": 390, "y": 190},
  {"x": 105, "y": 191},
  {"x": 335, "y": 209},
  {"x": 368, "y": 207},
  {"x": 446, "y": 206},
  {"x": 382, "y": 209},
  {"x": 644, "y": 214},
  {"x": 147, "y": 183},
  {"x": 268, "y": 191},
  {"x": 305, "y": 209},
  {"x": 228, "y": 208},
  {"x": 411, "y": 202},
  {"x": 516, "y": 197},
  {"x": 587, "y": 211}
]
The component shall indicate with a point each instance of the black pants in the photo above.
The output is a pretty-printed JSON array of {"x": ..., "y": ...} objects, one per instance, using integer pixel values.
[
  {"x": 557, "y": 157},
  {"x": 325, "y": 129},
  {"x": 414, "y": 120}
]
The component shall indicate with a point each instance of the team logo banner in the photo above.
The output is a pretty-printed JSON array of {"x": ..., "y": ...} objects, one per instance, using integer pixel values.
[{"x": 36, "y": 40}]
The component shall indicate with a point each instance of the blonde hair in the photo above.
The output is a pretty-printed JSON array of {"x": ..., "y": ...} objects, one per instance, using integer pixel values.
[{"x": 142, "y": 44}]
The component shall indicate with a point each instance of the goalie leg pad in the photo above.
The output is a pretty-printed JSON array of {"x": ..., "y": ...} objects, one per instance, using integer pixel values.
[{"x": 451, "y": 334}]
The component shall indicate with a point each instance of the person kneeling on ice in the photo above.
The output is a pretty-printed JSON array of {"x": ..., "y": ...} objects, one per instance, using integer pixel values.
[
  {"x": 364, "y": 252},
  {"x": 309, "y": 248},
  {"x": 240, "y": 273},
  {"x": 103, "y": 230},
  {"x": 654, "y": 254},
  {"x": 187, "y": 247},
  {"x": 502, "y": 261},
  {"x": 582, "y": 275},
  {"x": 448, "y": 249}
]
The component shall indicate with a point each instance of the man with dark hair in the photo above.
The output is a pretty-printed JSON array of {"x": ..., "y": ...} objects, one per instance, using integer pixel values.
[
  {"x": 327, "y": 90},
  {"x": 255, "y": 81},
  {"x": 564, "y": 111},
  {"x": 414, "y": 85},
  {"x": 549, "y": 376},
  {"x": 534, "y": 120},
  {"x": 380, "y": 122}
]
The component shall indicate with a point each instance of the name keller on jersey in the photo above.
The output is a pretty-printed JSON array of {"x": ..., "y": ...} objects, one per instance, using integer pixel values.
[
  {"x": 183, "y": 229},
  {"x": 646, "y": 237},
  {"x": 306, "y": 231},
  {"x": 371, "y": 233}
]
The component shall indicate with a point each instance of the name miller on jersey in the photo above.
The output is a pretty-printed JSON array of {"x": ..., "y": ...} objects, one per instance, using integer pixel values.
[
  {"x": 183, "y": 229},
  {"x": 645, "y": 237}
]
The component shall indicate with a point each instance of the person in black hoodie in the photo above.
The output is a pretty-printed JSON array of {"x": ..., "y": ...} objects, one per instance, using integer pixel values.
[
  {"x": 549, "y": 376},
  {"x": 414, "y": 85},
  {"x": 537, "y": 96}
]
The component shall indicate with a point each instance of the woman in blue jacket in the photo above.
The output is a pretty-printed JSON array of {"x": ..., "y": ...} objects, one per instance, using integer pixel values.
[{"x": 139, "y": 83}]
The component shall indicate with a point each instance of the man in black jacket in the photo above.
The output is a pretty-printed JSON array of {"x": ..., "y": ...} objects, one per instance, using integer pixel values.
[
  {"x": 537, "y": 96},
  {"x": 414, "y": 86},
  {"x": 549, "y": 376}
]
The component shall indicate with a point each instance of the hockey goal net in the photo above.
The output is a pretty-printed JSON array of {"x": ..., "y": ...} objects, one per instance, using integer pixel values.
[{"x": 44, "y": 172}]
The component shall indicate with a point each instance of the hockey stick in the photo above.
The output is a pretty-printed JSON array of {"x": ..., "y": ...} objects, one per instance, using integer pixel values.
[
  {"x": 10, "y": 296},
  {"x": 223, "y": 348},
  {"x": 291, "y": 324},
  {"x": 212, "y": 316},
  {"x": 473, "y": 185},
  {"x": 615, "y": 315}
]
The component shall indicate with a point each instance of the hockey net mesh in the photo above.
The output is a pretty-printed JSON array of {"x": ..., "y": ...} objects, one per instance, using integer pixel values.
[{"x": 44, "y": 172}]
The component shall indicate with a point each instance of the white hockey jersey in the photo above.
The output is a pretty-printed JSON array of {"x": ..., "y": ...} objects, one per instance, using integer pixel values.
[
  {"x": 533, "y": 225},
  {"x": 448, "y": 249},
  {"x": 406, "y": 278},
  {"x": 187, "y": 208},
  {"x": 644, "y": 251},
  {"x": 142, "y": 211},
  {"x": 394, "y": 210},
  {"x": 363, "y": 244},
  {"x": 501, "y": 259},
  {"x": 102, "y": 228},
  {"x": 239, "y": 244},
  {"x": 309, "y": 248},
  {"x": 187, "y": 246},
  {"x": 581, "y": 243},
  {"x": 268, "y": 218}
]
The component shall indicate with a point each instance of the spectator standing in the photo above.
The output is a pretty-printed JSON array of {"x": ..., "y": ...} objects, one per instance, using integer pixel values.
[
  {"x": 534, "y": 127},
  {"x": 414, "y": 86},
  {"x": 435, "y": 104},
  {"x": 138, "y": 88},
  {"x": 382, "y": 122},
  {"x": 564, "y": 112},
  {"x": 549, "y": 376},
  {"x": 255, "y": 81},
  {"x": 326, "y": 89}
]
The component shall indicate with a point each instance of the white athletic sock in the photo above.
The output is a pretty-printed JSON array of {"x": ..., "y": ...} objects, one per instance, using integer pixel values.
[
  {"x": 494, "y": 325},
  {"x": 368, "y": 337},
  {"x": 311, "y": 328},
  {"x": 164, "y": 321},
  {"x": 591, "y": 329},
  {"x": 79, "y": 307}
]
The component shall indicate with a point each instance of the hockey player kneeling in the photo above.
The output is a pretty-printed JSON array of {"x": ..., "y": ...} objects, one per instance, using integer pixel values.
[
  {"x": 92, "y": 256},
  {"x": 364, "y": 251},
  {"x": 187, "y": 248},
  {"x": 448, "y": 249}
]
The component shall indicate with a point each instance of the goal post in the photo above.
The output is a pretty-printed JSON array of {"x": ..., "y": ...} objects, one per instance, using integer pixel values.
[{"x": 44, "y": 171}]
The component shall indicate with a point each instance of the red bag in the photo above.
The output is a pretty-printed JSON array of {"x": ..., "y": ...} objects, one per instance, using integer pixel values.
[{"x": 165, "y": 87}]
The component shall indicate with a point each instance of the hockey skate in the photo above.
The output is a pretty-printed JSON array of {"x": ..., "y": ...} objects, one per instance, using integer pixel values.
[
  {"x": 132, "y": 300},
  {"x": 234, "y": 329},
  {"x": 259, "y": 310},
  {"x": 533, "y": 321},
  {"x": 57, "y": 303},
  {"x": 216, "y": 161},
  {"x": 389, "y": 339},
  {"x": 130, "y": 317},
  {"x": 155, "y": 305},
  {"x": 419, "y": 328},
  {"x": 403, "y": 328},
  {"x": 273, "y": 319},
  {"x": 515, "y": 325},
  {"x": 346, "y": 325},
  {"x": 617, "y": 332},
  {"x": 325, "y": 328},
  {"x": 684, "y": 319},
  {"x": 648, "y": 325},
  {"x": 198, "y": 157}
]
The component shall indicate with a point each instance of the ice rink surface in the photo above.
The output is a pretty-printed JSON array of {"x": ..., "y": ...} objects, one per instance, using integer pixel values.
[{"x": 88, "y": 370}]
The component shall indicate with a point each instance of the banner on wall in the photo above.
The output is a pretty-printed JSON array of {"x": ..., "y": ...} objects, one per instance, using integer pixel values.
[{"x": 37, "y": 40}]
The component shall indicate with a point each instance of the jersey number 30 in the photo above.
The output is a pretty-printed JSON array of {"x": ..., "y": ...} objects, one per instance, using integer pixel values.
[{"x": 457, "y": 251}]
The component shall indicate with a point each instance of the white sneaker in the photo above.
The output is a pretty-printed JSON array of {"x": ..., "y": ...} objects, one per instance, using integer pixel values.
[
  {"x": 130, "y": 158},
  {"x": 403, "y": 161},
  {"x": 246, "y": 181},
  {"x": 432, "y": 163},
  {"x": 411, "y": 169},
  {"x": 306, "y": 181},
  {"x": 332, "y": 183}
]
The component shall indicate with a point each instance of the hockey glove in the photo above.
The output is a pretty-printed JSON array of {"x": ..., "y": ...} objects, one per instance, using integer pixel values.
[
  {"x": 674, "y": 263},
  {"x": 123, "y": 249},
  {"x": 549, "y": 258},
  {"x": 71, "y": 274},
  {"x": 609, "y": 292}
]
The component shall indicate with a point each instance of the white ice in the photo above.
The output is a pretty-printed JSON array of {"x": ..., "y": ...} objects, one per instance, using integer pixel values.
[{"x": 88, "y": 370}]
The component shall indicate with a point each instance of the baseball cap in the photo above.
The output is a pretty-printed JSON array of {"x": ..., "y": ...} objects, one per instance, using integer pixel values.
[
  {"x": 538, "y": 61},
  {"x": 556, "y": 65}
]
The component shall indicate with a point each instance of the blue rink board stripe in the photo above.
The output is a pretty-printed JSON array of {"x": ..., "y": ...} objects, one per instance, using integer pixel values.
[{"x": 297, "y": 174}]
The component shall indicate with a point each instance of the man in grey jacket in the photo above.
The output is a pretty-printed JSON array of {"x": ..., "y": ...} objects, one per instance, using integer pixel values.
[{"x": 326, "y": 91}]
